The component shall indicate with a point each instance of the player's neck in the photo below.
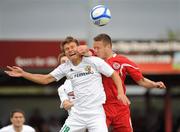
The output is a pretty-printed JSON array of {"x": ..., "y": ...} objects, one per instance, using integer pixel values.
[
  {"x": 109, "y": 55},
  {"x": 76, "y": 61},
  {"x": 17, "y": 129}
]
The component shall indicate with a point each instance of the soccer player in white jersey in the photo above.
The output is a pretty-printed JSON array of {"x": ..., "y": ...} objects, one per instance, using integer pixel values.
[
  {"x": 65, "y": 91},
  {"x": 17, "y": 119},
  {"x": 85, "y": 75},
  {"x": 66, "y": 95}
]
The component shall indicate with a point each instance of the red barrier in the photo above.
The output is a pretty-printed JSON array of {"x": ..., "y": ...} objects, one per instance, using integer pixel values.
[{"x": 30, "y": 54}]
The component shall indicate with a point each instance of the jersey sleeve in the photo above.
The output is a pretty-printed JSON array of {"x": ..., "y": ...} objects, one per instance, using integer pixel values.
[
  {"x": 58, "y": 72},
  {"x": 103, "y": 67},
  {"x": 2, "y": 130},
  {"x": 33, "y": 130},
  {"x": 6, "y": 128},
  {"x": 62, "y": 95},
  {"x": 28, "y": 128},
  {"x": 133, "y": 70}
]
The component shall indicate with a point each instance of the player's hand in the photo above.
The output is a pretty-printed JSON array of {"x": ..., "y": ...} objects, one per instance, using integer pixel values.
[
  {"x": 83, "y": 50},
  {"x": 124, "y": 99},
  {"x": 14, "y": 71},
  {"x": 67, "y": 104},
  {"x": 159, "y": 85}
]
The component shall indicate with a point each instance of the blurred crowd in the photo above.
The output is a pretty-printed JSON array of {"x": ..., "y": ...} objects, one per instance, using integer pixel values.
[
  {"x": 152, "y": 122},
  {"x": 41, "y": 123}
]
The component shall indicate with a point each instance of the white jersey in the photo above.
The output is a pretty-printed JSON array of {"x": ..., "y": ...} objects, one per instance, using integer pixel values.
[
  {"x": 10, "y": 128},
  {"x": 66, "y": 92},
  {"x": 86, "y": 80}
]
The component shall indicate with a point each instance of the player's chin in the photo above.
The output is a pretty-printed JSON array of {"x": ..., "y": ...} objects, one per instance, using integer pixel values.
[
  {"x": 102, "y": 56},
  {"x": 72, "y": 57}
]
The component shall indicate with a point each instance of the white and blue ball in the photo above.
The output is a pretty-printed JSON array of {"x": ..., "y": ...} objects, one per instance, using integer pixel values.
[{"x": 100, "y": 15}]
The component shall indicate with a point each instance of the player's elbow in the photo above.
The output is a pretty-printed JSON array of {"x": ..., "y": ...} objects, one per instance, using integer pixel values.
[
  {"x": 60, "y": 89},
  {"x": 47, "y": 79},
  {"x": 146, "y": 83},
  {"x": 44, "y": 82},
  {"x": 141, "y": 82}
]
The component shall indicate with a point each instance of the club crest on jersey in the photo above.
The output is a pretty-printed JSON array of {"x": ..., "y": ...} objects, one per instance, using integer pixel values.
[
  {"x": 116, "y": 65},
  {"x": 88, "y": 69}
]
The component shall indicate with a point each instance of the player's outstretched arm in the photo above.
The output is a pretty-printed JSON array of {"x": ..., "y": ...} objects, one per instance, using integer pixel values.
[
  {"x": 147, "y": 83},
  {"x": 15, "y": 71},
  {"x": 121, "y": 95}
]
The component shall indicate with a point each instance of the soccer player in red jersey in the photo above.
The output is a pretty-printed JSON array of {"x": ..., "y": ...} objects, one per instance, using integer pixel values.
[{"x": 118, "y": 114}]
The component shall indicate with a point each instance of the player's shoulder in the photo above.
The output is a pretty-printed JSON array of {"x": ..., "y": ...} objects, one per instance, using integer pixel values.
[
  {"x": 61, "y": 89},
  {"x": 8, "y": 128},
  {"x": 28, "y": 128},
  {"x": 91, "y": 59},
  {"x": 66, "y": 64},
  {"x": 119, "y": 58}
]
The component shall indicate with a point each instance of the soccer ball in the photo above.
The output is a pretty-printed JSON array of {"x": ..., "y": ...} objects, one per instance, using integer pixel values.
[{"x": 100, "y": 15}]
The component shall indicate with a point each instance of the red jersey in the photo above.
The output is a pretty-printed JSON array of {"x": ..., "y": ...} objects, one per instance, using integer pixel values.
[{"x": 122, "y": 66}]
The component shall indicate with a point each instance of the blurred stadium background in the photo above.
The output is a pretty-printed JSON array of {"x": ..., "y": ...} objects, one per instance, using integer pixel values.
[{"x": 147, "y": 31}]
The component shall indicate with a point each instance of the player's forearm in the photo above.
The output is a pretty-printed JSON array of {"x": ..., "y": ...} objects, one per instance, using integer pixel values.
[
  {"x": 144, "y": 82},
  {"x": 67, "y": 104},
  {"x": 37, "y": 78},
  {"x": 118, "y": 83},
  {"x": 62, "y": 99}
]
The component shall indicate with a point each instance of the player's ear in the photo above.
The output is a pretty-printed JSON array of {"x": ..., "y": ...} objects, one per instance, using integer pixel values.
[{"x": 108, "y": 46}]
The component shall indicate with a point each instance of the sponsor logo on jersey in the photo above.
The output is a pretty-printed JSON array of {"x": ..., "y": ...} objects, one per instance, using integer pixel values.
[
  {"x": 87, "y": 70},
  {"x": 82, "y": 74},
  {"x": 116, "y": 65}
]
